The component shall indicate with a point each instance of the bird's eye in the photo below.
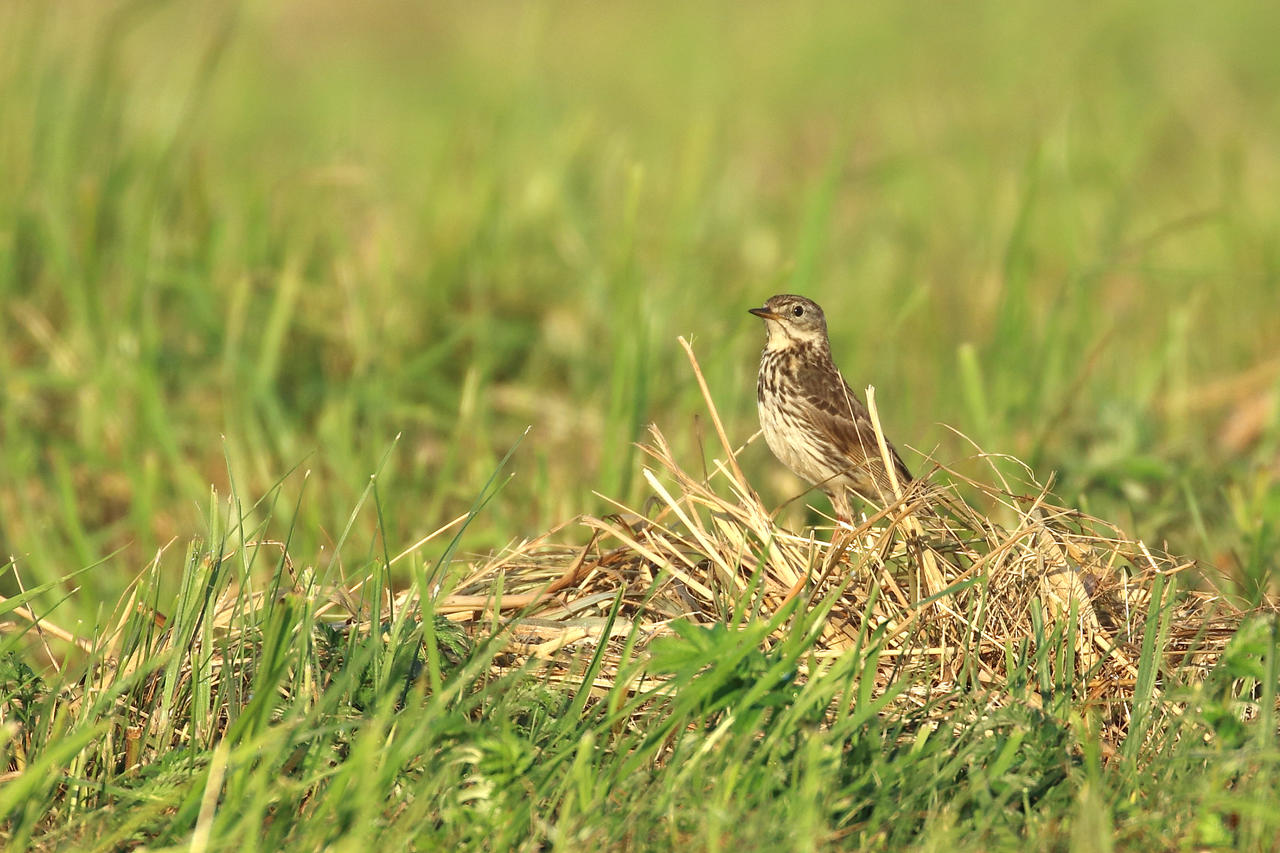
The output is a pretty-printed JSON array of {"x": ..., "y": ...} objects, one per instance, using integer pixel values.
[{"x": 798, "y": 311}]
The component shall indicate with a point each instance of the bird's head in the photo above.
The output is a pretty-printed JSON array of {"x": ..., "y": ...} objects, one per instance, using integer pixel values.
[{"x": 791, "y": 320}]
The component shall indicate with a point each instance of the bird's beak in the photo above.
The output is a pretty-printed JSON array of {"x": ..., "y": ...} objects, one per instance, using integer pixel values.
[{"x": 764, "y": 313}]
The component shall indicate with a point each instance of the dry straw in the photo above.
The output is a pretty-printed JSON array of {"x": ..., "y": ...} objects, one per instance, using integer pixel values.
[{"x": 952, "y": 593}]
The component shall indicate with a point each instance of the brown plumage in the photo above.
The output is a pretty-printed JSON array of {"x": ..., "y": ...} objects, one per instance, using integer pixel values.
[{"x": 813, "y": 421}]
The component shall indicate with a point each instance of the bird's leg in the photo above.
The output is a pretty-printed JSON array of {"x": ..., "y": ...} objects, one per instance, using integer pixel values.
[{"x": 842, "y": 507}]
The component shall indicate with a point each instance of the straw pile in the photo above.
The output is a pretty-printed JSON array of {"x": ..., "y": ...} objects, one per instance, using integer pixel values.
[{"x": 952, "y": 591}]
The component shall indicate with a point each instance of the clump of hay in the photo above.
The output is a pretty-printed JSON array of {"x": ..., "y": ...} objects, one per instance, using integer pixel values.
[{"x": 952, "y": 591}]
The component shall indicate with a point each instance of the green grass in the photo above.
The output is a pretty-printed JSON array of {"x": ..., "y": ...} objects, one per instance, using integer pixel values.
[
  {"x": 273, "y": 724},
  {"x": 272, "y": 250}
]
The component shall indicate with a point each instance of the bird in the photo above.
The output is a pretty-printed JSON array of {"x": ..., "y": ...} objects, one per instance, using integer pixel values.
[{"x": 812, "y": 420}]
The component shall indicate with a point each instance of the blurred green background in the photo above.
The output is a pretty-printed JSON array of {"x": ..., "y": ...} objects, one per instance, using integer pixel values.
[{"x": 239, "y": 242}]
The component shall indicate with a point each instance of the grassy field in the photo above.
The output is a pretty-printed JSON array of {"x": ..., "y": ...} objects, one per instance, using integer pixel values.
[{"x": 334, "y": 275}]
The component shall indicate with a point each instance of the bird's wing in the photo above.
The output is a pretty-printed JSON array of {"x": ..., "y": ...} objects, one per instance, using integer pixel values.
[{"x": 839, "y": 413}]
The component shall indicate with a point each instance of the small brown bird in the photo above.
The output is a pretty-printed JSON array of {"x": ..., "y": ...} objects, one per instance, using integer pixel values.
[{"x": 813, "y": 421}]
